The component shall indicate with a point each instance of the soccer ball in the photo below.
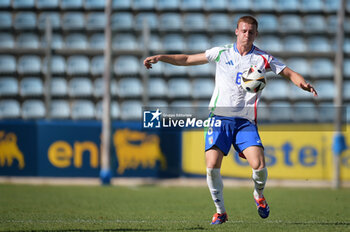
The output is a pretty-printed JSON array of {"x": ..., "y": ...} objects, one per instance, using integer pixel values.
[{"x": 253, "y": 80}]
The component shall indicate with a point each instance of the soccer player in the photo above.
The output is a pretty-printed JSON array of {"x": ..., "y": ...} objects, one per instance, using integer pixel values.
[{"x": 236, "y": 108}]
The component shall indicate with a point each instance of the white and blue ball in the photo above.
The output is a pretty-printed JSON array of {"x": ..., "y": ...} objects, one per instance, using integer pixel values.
[{"x": 253, "y": 80}]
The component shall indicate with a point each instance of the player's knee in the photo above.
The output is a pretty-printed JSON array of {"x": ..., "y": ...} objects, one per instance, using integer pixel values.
[{"x": 258, "y": 165}]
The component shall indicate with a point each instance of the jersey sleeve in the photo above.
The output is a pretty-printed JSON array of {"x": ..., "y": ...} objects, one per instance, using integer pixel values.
[
  {"x": 276, "y": 65},
  {"x": 214, "y": 53}
]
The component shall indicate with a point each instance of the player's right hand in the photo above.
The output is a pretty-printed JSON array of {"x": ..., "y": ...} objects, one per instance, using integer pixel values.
[{"x": 150, "y": 60}]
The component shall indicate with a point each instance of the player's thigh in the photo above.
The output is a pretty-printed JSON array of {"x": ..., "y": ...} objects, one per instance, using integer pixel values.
[
  {"x": 255, "y": 156},
  {"x": 214, "y": 157}
]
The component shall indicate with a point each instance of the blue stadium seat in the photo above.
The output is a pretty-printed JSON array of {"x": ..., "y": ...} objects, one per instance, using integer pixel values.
[
  {"x": 23, "y": 4},
  {"x": 299, "y": 65},
  {"x": 179, "y": 87},
  {"x": 73, "y": 21},
  {"x": 69, "y": 4},
  {"x": 214, "y": 5},
  {"x": 124, "y": 42},
  {"x": 311, "y": 5},
  {"x": 97, "y": 65},
  {"x": 332, "y": 21},
  {"x": 97, "y": 41},
  {"x": 54, "y": 18},
  {"x": 294, "y": 44},
  {"x": 191, "y": 5},
  {"x": 27, "y": 40},
  {"x": 168, "y": 4},
  {"x": 5, "y": 4},
  {"x": 5, "y": 20},
  {"x": 80, "y": 87},
  {"x": 170, "y": 22},
  {"x": 296, "y": 93},
  {"x": 200, "y": 70},
  {"x": 326, "y": 112},
  {"x": 266, "y": 5},
  {"x": 202, "y": 88},
  {"x": 331, "y": 5},
  {"x": 31, "y": 86},
  {"x": 221, "y": 40},
  {"x": 346, "y": 91},
  {"x": 185, "y": 105},
  {"x": 267, "y": 22},
  {"x": 56, "y": 43},
  {"x": 58, "y": 65},
  {"x": 33, "y": 109},
  {"x": 59, "y": 109},
  {"x": 347, "y": 68},
  {"x": 76, "y": 41},
  {"x": 173, "y": 42},
  {"x": 315, "y": 23},
  {"x": 131, "y": 110},
  {"x": 151, "y": 18},
  {"x": 347, "y": 24},
  {"x": 271, "y": 43},
  {"x": 114, "y": 110},
  {"x": 318, "y": 44},
  {"x": 82, "y": 109},
  {"x": 7, "y": 64},
  {"x": 346, "y": 45},
  {"x": 78, "y": 64},
  {"x": 10, "y": 108},
  {"x": 96, "y": 21},
  {"x": 156, "y": 70},
  {"x": 238, "y": 5},
  {"x": 6, "y": 40},
  {"x": 153, "y": 104},
  {"x": 94, "y": 5},
  {"x": 305, "y": 112},
  {"x": 290, "y": 23},
  {"x": 44, "y": 4},
  {"x": 29, "y": 64},
  {"x": 99, "y": 87},
  {"x": 321, "y": 68},
  {"x": 325, "y": 89},
  {"x": 130, "y": 87},
  {"x": 172, "y": 70},
  {"x": 8, "y": 86},
  {"x": 194, "y": 22},
  {"x": 25, "y": 21},
  {"x": 154, "y": 44},
  {"x": 219, "y": 22},
  {"x": 197, "y": 42},
  {"x": 122, "y": 21},
  {"x": 157, "y": 87},
  {"x": 280, "y": 111},
  {"x": 121, "y": 4},
  {"x": 287, "y": 5},
  {"x": 126, "y": 65},
  {"x": 59, "y": 87},
  {"x": 143, "y": 5},
  {"x": 276, "y": 89}
]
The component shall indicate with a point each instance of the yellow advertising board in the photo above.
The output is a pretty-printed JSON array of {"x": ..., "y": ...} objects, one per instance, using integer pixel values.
[{"x": 291, "y": 152}]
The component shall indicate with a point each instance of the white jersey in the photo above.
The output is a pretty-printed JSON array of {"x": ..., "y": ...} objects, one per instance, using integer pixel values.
[{"x": 229, "y": 98}]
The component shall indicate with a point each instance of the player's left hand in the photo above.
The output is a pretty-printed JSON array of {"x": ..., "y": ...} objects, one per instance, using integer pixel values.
[{"x": 308, "y": 87}]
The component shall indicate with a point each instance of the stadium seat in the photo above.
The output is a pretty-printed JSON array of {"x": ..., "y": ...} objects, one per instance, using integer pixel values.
[
  {"x": 33, "y": 109},
  {"x": 179, "y": 88},
  {"x": 266, "y": 5},
  {"x": 170, "y": 22},
  {"x": 44, "y": 4},
  {"x": 200, "y": 70},
  {"x": 197, "y": 42},
  {"x": 294, "y": 44},
  {"x": 126, "y": 65},
  {"x": 157, "y": 87},
  {"x": 325, "y": 89},
  {"x": 97, "y": 41},
  {"x": 29, "y": 64},
  {"x": 8, "y": 86},
  {"x": 7, "y": 64},
  {"x": 54, "y": 18},
  {"x": 280, "y": 111},
  {"x": 221, "y": 40},
  {"x": 321, "y": 68},
  {"x": 76, "y": 41},
  {"x": 6, "y": 20},
  {"x": 27, "y": 40},
  {"x": 276, "y": 89},
  {"x": 73, "y": 21},
  {"x": 299, "y": 65},
  {"x": 59, "y": 109},
  {"x": 5, "y": 4},
  {"x": 24, "y": 21},
  {"x": 215, "y": 5},
  {"x": 238, "y": 5},
  {"x": 31, "y": 86},
  {"x": 10, "y": 108},
  {"x": 78, "y": 64},
  {"x": 114, "y": 110},
  {"x": 131, "y": 110},
  {"x": 156, "y": 70},
  {"x": 56, "y": 43},
  {"x": 23, "y": 4},
  {"x": 121, "y": 4},
  {"x": 296, "y": 93},
  {"x": 94, "y": 5},
  {"x": 311, "y": 5},
  {"x": 59, "y": 87},
  {"x": 58, "y": 65},
  {"x": 130, "y": 87},
  {"x": 82, "y": 109},
  {"x": 157, "y": 104},
  {"x": 69, "y": 4},
  {"x": 202, "y": 87},
  {"x": 287, "y": 5},
  {"x": 194, "y": 22},
  {"x": 151, "y": 18},
  {"x": 172, "y": 70},
  {"x": 271, "y": 43},
  {"x": 191, "y": 5},
  {"x": 168, "y": 5},
  {"x": 154, "y": 43},
  {"x": 314, "y": 23},
  {"x": 219, "y": 22},
  {"x": 96, "y": 20},
  {"x": 346, "y": 45},
  {"x": 267, "y": 22},
  {"x": 326, "y": 111},
  {"x": 347, "y": 24},
  {"x": 7, "y": 40},
  {"x": 305, "y": 112},
  {"x": 143, "y": 5},
  {"x": 80, "y": 87},
  {"x": 318, "y": 44},
  {"x": 97, "y": 65},
  {"x": 347, "y": 68},
  {"x": 173, "y": 42},
  {"x": 290, "y": 23},
  {"x": 124, "y": 42},
  {"x": 99, "y": 87},
  {"x": 331, "y": 23},
  {"x": 122, "y": 21},
  {"x": 346, "y": 88},
  {"x": 331, "y": 5},
  {"x": 184, "y": 105}
]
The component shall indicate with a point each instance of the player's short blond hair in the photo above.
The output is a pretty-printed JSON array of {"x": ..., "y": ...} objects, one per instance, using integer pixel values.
[{"x": 248, "y": 19}]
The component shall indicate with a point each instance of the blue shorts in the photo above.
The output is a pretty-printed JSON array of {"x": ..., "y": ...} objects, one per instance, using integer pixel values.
[{"x": 239, "y": 132}]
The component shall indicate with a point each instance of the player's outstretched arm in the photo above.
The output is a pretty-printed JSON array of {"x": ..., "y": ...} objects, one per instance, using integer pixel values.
[
  {"x": 298, "y": 80},
  {"x": 176, "y": 59}
]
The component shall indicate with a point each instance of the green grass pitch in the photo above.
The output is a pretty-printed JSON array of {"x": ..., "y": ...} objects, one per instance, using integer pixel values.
[{"x": 152, "y": 208}]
